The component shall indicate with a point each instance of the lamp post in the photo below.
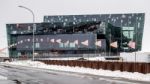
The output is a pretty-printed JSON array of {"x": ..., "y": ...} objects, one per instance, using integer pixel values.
[{"x": 33, "y": 30}]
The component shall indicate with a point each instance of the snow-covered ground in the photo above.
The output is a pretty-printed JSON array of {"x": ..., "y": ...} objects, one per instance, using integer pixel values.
[
  {"x": 1, "y": 75},
  {"x": 128, "y": 75},
  {"x": 3, "y": 78},
  {"x": 102, "y": 58}
]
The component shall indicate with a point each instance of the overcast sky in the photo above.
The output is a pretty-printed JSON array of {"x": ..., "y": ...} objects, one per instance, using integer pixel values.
[{"x": 11, "y": 13}]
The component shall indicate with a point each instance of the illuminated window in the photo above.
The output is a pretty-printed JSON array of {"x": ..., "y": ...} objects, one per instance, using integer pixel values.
[
  {"x": 72, "y": 45},
  {"x": 37, "y": 45},
  {"x": 128, "y": 32},
  {"x": 61, "y": 45}
]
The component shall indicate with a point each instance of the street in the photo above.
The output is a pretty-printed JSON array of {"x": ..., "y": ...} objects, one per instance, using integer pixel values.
[{"x": 28, "y": 75}]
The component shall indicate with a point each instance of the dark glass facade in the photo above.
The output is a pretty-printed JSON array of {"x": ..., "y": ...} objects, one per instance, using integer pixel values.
[
  {"x": 121, "y": 26},
  {"x": 109, "y": 28}
]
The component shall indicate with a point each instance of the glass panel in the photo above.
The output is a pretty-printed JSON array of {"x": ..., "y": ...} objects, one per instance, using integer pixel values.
[
  {"x": 131, "y": 34},
  {"x": 72, "y": 45},
  {"x": 127, "y": 28},
  {"x": 126, "y": 34},
  {"x": 37, "y": 45},
  {"x": 61, "y": 45}
]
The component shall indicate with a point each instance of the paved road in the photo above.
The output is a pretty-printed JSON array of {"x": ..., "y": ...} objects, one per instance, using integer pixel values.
[{"x": 27, "y": 75}]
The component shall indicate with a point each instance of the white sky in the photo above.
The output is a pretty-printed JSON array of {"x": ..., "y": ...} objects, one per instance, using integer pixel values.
[{"x": 11, "y": 13}]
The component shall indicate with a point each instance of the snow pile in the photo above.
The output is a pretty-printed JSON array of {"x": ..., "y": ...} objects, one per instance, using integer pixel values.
[
  {"x": 128, "y": 75},
  {"x": 3, "y": 78},
  {"x": 75, "y": 58},
  {"x": 63, "y": 58},
  {"x": 96, "y": 58},
  {"x": 28, "y": 63}
]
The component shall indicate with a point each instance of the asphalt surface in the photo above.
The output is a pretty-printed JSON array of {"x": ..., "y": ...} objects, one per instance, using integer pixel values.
[{"x": 28, "y": 75}]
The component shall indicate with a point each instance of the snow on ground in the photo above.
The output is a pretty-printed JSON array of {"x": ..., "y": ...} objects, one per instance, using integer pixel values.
[
  {"x": 3, "y": 78},
  {"x": 1, "y": 75},
  {"x": 102, "y": 58},
  {"x": 128, "y": 75}
]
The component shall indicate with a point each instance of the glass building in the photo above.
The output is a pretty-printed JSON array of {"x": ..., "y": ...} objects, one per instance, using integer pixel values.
[{"x": 77, "y": 34}]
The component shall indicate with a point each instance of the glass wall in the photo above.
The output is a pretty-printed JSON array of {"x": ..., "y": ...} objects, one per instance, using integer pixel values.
[
  {"x": 116, "y": 31},
  {"x": 131, "y": 25}
]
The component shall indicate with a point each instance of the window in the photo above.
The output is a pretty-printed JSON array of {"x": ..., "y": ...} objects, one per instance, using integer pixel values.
[
  {"x": 61, "y": 45},
  {"x": 128, "y": 32},
  {"x": 72, "y": 45},
  {"x": 37, "y": 45}
]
